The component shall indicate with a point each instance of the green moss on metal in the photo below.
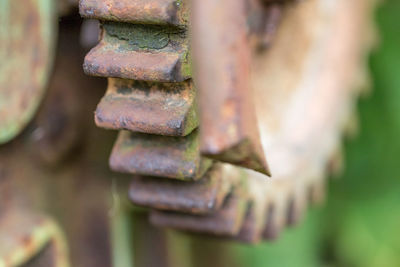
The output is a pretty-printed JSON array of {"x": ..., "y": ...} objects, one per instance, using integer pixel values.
[{"x": 143, "y": 36}]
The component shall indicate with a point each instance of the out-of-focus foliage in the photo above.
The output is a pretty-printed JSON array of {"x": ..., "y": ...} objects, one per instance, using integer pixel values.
[{"x": 360, "y": 224}]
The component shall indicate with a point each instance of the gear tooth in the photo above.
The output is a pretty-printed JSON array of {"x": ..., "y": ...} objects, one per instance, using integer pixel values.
[
  {"x": 106, "y": 61},
  {"x": 255, "y": 220},
  {"x": 252, "y": 228},
  {"x": 248, "y": 232},
  {"x": 242, "y": 154},
  {"x": 200, "y": 197},
  {"x": 162, "y": 12},
  {"x": 336, "y": 162},
  {"x": 154, "y": 108},
  {"x": 318, "y": 192},
  {"x": 224, "y": 222},
  {"x": 296, "y": 209},
  {"x": 170, "y": 157},
  {"x": 275, "y": 222},
  {"x": 229, "y": 125},
  {"x": 140, "y": 52}
]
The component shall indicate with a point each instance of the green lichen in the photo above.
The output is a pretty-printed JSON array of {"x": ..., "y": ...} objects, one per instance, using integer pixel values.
[{"x": 143, "y": 36}]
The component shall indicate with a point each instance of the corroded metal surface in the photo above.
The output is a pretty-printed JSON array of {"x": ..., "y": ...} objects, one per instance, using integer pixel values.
[
  {"x": 203, "y": 196},
  {"x": 252, "y": 100},
  {"x": 222, "y": 61},
  {"x": 27, "y": 38},
  {"x": 172, "y": 157},
  {"x": 225, "y": 222},
  {"x": 155, "y": 108},
  {"x": 169, "y": 12},
  {"x": 301, "y": 143},
  {"x": 144, "y": 51},
  {"x": 140, "y": 52}
]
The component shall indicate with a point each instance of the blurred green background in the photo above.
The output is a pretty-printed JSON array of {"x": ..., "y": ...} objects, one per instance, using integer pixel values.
[{"x": 360, "y": 223}]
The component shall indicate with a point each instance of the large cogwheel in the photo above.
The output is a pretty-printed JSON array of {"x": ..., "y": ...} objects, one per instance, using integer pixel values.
[{"x": 254, "y": 88}]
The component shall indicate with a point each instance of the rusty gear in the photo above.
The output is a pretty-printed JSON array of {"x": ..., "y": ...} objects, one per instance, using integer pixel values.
[{"x": 290, "y": 97}]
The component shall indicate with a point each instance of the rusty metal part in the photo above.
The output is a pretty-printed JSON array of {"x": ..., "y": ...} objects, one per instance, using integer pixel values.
[
  {"x": 153, "y": 155},
  {"x": 226, "y": 222},
  {"x": 154, "y": 108},
  {"x": 302, "y": 124},
  {"x": 27, "y": 37},
  {"x": 159, "y": 12},
  {"x": 222, "y": 61},
  {"x": 144, "y": 51},
  {"x": 29, "y": 239},
  {"x": 291, "y": 104},
  {"x": 203, "y": 196},
  {"x": 140, "y": 52}
]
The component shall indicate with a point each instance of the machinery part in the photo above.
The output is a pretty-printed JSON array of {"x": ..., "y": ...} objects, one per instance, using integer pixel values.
[
  {"x": 200, "y": 197},
  {"x": 222, "y": 60},
  {"x": 141, "y": 107},
  {"x": 155, "y": 12},
  {"x": 170, "y": 157},
  {"x": 140, "y": 52},
  {"x": 302, "y": 123},
  {"x": 145, "y": 55},
  {"x": 226, "y": 221},
  {"x": 292, "y": 100},
  {"x": 27, "y": 36},
  {"x": 31, "y": 240}
]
